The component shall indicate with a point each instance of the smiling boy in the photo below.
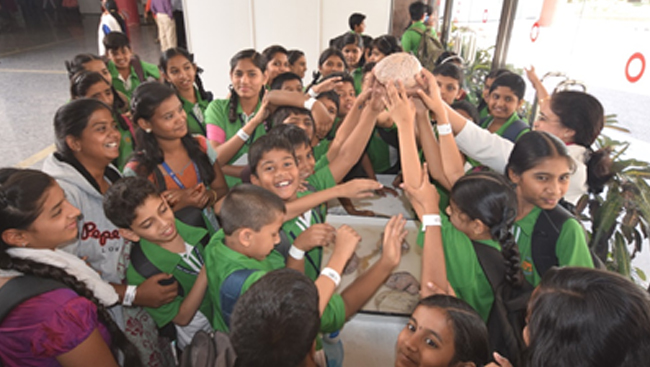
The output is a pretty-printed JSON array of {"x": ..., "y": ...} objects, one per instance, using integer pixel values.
[
  {"x": 505, "y": 98},
  {"x": 123, "y": 68}
]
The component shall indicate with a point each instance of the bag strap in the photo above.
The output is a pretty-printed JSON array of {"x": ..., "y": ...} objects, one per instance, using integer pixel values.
[
  {"x": 137, "y": 67},
  {"x": 230, "y": 292},
  {"x": 491, "y": 262},
  {"x": 22, "y": 288},
  {"x": 512, "y": 132},
  {"x": 545, "y": 235},
  {"x": 147, "y": 269}
]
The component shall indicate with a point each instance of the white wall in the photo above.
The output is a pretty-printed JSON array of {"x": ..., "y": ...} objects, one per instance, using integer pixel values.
[{"x": 217, "y": 29}]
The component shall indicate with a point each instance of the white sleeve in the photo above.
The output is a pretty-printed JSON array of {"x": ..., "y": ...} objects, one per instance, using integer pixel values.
[
  {"x": 483, "y": 146},
  {"x": 578, "y": 183}
]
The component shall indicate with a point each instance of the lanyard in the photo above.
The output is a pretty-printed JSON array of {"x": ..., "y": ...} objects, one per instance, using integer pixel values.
[
  {"x": 176, "y": 179},
  {"x": 198, "y": 117}
]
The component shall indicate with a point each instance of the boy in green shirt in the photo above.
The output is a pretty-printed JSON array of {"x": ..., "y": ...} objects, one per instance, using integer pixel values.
[
  {"x": 251, "y": 220},
  {"x": 134, "y": 205},
  {"x": 126, "y": 70},
  {"x": 411, "y": 38}
]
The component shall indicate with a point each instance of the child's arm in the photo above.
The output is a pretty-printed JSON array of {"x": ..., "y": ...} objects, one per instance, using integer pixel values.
[
  {"x": 347, "y": 125},
  {"x": 542, "y": 93},
  {"x": 429, "y": 144},
  {"x": 359, "y": 292},
  {"x": 219, "y": 184},
  {"x": 317, "y": 235},
  {"x": 192, "y": 301},
  {"x": 355, "y": 189},
  {"x": 322, "y": 120},
  {"x": 346, "y": 243},
  {"x": 424, "y": 198},
  {"x": 402, "y": 111}
]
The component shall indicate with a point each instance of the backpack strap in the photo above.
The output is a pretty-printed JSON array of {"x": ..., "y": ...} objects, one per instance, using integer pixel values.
[
  {"x": 284, "y": 245},
  {"x": 491, "y": 262},
  {"x": 137, "y": 67},
  {"x": 512, "y": 132},
  {"x": 231, "y": 290},
  {"x": 545, "y": 235},
  {"x": 23, "y": 288},
  {"x": 147, "y": 269}
]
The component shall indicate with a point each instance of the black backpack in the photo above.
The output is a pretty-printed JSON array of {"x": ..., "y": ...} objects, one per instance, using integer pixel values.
[
  {"x": 209, "y": 350},
  {"x": 507, "y": 317}
]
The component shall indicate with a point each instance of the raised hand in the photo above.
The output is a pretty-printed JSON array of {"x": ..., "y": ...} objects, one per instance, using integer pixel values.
[
  {"x": 317, "y": 235},
  {"x": 394, "y": 235},
  {"x": 400, "y": 108}
]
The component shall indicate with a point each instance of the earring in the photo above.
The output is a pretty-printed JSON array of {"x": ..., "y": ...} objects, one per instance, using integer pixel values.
[{"x": 148, "y": 131}]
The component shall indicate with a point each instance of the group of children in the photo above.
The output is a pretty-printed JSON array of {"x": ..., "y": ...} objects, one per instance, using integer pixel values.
[{"x": 220, "y": 195}]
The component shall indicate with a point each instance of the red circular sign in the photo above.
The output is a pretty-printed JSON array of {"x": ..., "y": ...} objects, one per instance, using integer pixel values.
[
  {"x": 630, "y": 78},
  {"x": 534, "y": 32},
  {"x": 485, "y": 16}
]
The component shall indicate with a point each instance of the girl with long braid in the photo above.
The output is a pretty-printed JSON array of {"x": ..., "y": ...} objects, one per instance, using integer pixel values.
[{"x": 68, "y": 326}]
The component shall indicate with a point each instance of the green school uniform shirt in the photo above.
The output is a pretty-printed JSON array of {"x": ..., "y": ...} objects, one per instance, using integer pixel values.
[
  {"x": 221, "y": 261},
  {"x": 379, "y": 151},
  {"x": 571, "y": 248},
  {"x": 125, "y": 149},
  {"x": 195, "y": 113},
  {"x": 464, "y": 271},
  {"x": 514, "y": 117},
  {"x": 217, "y": 114},
  {"x": 172, "y": 263},
  {"x": 321, "y": 149},
  {"x": 411, "y": 39},
  {"x": 357, "y": 75},
  {"x": 150, "y": 71},
  {"x": 322, "y": 179},
  {"x": 483, "y": 113}
]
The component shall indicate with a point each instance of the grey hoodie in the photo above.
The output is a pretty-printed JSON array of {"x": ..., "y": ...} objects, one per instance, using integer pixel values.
[{"x": 99, "y": 240}]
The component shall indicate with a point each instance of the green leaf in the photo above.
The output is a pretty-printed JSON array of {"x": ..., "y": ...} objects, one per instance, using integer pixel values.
[
  {"x": 640, "y": 273},
  {"x": 621, "y": 255}
]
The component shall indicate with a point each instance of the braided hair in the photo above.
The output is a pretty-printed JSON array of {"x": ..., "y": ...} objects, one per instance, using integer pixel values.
[
  {"x": 490, "y": 198},
  {"x": 260, "y": 62},
  {"x": 21, "y": 200}
]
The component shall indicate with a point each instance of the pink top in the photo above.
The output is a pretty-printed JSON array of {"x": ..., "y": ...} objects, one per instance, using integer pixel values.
[{"x": 46, "y": 326}]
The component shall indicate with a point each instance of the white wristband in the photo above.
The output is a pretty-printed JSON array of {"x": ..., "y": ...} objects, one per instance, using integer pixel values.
[
  {"x": 332, "y": 274},
  {"x": 312, "y": 93},
  {"x": 444, "y": 129},
  {"x": 296, "y": 253},
  {"x": 309, "y": 104},
  {"x": 242, "y": 135},
  {"x": 429, "y": 220},
  {"x": 129, "y": 295}
]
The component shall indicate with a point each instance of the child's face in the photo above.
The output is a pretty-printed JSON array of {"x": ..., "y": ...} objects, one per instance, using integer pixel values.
[
  {"x": 100, "y": 140},
  {"x": 277, "y": 65},
  {"x": 545, "y": 184},
  {"x": 503, "y": 102},
  {"x": 120, "y": 57},
  {"x": 299, "y": 67},
  {"x": 449, "y": 88},
  {"x": 56, "y": 225},
  {"x": 154, "y": 221},
  {"x": 330, "y": 106},
  {"x": 247, "y": 79},
  {"x": 305, "y": 159},
  {"x": 332, "y": 64},
  {"x": 181, "y": 72},
  {"x": 169, "y": 121},
  {"x": 302, "y": 121},
  {"x": 264, "y": 240},
  {"x": 347, "y": 97},
  {"x": 99, "y": 66},
  {"x": 376, "y": 55},
  {"x": 277, "y": 172},
  {"x": 293, "y": 85},
  {"x": 101, "y": 91},
  {"x": 427, "y": 340},
  {"x": 352, "y": 54}
]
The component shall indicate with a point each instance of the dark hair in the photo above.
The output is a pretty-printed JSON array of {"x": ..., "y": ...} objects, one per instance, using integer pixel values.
[
  {"x": 326, "y": 54},
  {"x": 470, "y": 333},
  {"x": 270, "y": 52},
  {"x": 146, "y": 99},
  {"x": 450, "y": 70},
  {"x": 493, "y": 74},
  {"x": 534, "y": 147},
  {"x": 355, "y": 20},
  {"x": 71, "y": 119},
  {"x": 467, "y": 107},
  {"x": 77, "y": 63},
  {"x": 417, "y": 10},
  {"x": 179, "y": 51},
  {"x": 448, "y": 57},
  {"x": 294, "y": 55},
  {"x": 283, "y": 112},
  {"x": 84, "y": 80},
  {"x": 111, "y": 7},
  {"x": 386, "y": 44},
  {"x": 115, "y": 41},
  {"x": 345, "y": 77},
  {"x": 284, "y": 77},
  {"x": 249, "y": 206},
  {"x": 332, "y": 96},
  {"x": 581, "y": 317},
  {"x": 124, "y": 197},
  {"x": 490, "y": 198},
  {"x": 585, "y": 115},
  {"x": 368, "y": 67},
  {"x": 260, "y": 62},
  {"x": 351, "y": 38},
  {"x": 512, "y": 81},
  {"x": 296, "y": 136},
  {"x": 22, "y": 193},
  {"x": 276, "y": 321},
  {"x": 265, "y": 144}
]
